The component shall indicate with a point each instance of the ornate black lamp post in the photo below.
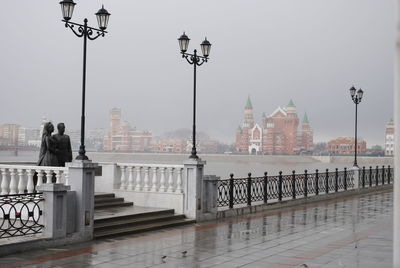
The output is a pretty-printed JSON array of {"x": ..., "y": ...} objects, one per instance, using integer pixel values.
[
  {"x": 87, "y": 32},
  {"x": 356, "y": 97},
  {"x": 195, "y": 60}
]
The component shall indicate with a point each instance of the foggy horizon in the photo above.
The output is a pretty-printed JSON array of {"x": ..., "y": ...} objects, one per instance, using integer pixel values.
[{"x": 310, "y": 52}]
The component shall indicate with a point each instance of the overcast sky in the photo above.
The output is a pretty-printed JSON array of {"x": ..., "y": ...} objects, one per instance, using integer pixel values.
[{"x": 311, "y": 51}]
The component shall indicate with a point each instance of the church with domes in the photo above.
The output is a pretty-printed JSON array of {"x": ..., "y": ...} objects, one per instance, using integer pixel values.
[{"x": 279, "y": 132}]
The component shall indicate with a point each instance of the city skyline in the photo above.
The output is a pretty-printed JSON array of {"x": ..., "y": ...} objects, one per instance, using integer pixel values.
[{"x": 140, "y": 70}]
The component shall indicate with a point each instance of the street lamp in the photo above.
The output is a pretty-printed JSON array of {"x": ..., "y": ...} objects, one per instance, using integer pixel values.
[
  {"x": 67, "y": 8},
  {"x": 195, "y": 60},
  {"x": 356, "y": 97}
]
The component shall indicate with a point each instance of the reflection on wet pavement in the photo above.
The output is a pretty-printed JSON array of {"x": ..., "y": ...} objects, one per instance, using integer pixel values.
[{"x": 356, "y": 232}]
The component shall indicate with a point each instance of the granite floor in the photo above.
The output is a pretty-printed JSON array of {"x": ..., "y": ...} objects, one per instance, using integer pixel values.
[{"x": 352, "y": 232}]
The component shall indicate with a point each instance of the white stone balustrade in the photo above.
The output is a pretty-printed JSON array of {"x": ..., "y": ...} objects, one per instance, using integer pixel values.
[
  {"x": 19, "y": 179},
  {"x": 150, "y": 177}
]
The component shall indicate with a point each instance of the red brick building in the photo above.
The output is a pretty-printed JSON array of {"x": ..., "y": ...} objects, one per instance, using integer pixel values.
[
  {"x": 278, "y": 134},
  {"x": 345, "y": 145},
  {"x": 122, "y": 137}
]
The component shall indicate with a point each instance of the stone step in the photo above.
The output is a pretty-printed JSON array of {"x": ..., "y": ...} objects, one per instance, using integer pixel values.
[
  {"x": 142, "y": 228},
  {"x": 135, "y": 221},
  {"x": 107, "y": 200},
  {"x": 129, "y": 215},
  {"x": 103, "y": 195},
  {"x": 117, "y": 203}
]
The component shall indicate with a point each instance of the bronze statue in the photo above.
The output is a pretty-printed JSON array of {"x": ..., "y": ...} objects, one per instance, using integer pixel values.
[
  {"x": 47, "y": 155},
  {"x": 63, "y": 148}
]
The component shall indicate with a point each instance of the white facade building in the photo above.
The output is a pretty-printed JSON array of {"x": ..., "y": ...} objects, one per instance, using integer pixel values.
[{"x": 389, "y": 138}]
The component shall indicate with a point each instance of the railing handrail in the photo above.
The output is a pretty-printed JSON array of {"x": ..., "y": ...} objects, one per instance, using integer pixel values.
[
  {"x": 33, "y": 167},
  {"x": 245, "y": 190},
  {"x": 150, "y": 165}
]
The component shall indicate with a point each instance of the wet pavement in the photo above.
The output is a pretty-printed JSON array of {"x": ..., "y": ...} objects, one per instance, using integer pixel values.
[{"x": 351, "y": 232}]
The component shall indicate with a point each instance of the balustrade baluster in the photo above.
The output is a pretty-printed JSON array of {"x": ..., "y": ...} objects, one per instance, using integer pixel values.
[
  {"x": 179, "y": 181},
  {"x": 146, "y": 186},
  {"x": 363, "y": 177},
  {"x": 170, "y": 180},
  {"x": 316, "y": 182},
  {"x": 345, "y": 179},
  {"x": 305, "y": 183},
  {"x": 66, "y": 176},
  {"x": 138, "y": 185},
  {"x": 4, "y": 182},
  {"x": 231, "y": 191},
  {"x": 30, "y": 186},
  {"x": 293, "y": 184},
  {"x": 39, "y": 177},
  {"x": 376, "y": 175},
  {"x": 123, "y": 178},
  {"x": 388, "y": 173},
  {"x": 383, "y": 175},
  {"x": 336, "y": 180},
  {"x": 154, "y": 179},
  {"x": 249, "y": 189},
  {"x": 370, "y": 176},
  {"x": 265, "y": 187},
  {"x": 162, "y": 179},
  {"x": 13, "y": 181},
  {"x": 131, "y": 171},
  {"x": 49, "y": 176},
  {"x": 21, "y": 182},
  {"x": 58, "y": 176},
  {"x": 327, "y": 181}
]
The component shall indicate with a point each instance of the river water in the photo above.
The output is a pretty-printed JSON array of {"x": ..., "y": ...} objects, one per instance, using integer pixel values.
[{"x": 220, "y": 165}]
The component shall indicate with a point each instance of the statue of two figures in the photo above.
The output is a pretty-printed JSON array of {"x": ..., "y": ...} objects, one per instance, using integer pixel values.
[{"x": 55, "y": 150}]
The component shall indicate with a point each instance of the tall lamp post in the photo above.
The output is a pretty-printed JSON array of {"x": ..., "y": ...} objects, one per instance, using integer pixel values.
[
  {"x": 87, "y": 32},
  {"x": 356, "y": 97},
  {"x": 194, "y": 60}
]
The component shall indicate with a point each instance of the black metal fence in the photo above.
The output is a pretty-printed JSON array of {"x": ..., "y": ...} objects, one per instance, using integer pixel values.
[
  {"x": 271, "y": 189},
  {"x": 20, "y": 214}
]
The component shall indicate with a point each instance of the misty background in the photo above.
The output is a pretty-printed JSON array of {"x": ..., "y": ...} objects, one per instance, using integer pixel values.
[{"x": 310, "y": 51}]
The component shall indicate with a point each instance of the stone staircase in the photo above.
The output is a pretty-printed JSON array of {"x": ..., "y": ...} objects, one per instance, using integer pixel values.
[{"x": 114, "y": 216}]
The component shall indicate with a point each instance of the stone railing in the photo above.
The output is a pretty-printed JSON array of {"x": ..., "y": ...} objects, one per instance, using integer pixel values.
[
  {"x": 20, "y": 179},
  {"x": 150, "y": 177}
]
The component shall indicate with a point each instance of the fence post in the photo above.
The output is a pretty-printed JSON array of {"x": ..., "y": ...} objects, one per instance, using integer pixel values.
[
  {"x": 336, "y": 180},
  {"x": 363, "y": 177},
  {"x": 370, "y": 176},
  {"x": 388, "y": 174},
  {"x": 383, "y": 175},
  {"x": 305, "y": 183},
  {"x": 316, "y": 182},
  {"x": 249, "y": 190},
  {"x": 345, "y": 179},
  {"x": 280, "y": 186},
  {"x": 265, "y": 187},
  {"x": 327, "y": 181},
  {"x": 294, "y": 184},
  {"x": 231, "y": 191},
  {"x": 376, "y": 176}
]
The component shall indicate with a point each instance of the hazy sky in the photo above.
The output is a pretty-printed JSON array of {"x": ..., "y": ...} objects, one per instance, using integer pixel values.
[{"x": 310, "y": 51}]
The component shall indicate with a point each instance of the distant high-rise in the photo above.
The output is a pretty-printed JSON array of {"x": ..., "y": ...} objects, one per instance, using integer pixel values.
[
  {"x": 389, "y": 138},
  {"x": 122, "y": 137}
]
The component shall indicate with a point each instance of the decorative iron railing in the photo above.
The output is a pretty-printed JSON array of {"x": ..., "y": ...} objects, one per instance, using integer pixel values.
[
  {"x": 270, "y": 189},
  {"x": 20, "y": 214}
]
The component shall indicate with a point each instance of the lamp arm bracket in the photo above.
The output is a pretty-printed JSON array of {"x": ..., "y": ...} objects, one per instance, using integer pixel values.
[
  {"x": 78, "y": 33},
  {"x": 200, "y": 61},
  {"x": 188, "y": 57},
  {"x": 98, "y": 34}
]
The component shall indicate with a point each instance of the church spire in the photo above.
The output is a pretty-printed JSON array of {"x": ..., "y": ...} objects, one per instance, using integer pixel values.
[
  {"x": 248, "y": 104},
  {"x": 305, "y": 119}
]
